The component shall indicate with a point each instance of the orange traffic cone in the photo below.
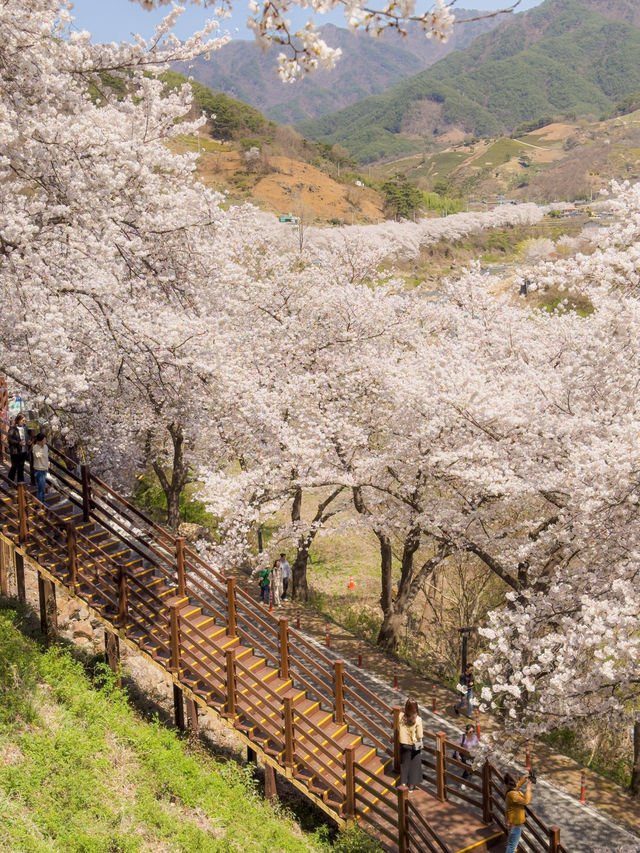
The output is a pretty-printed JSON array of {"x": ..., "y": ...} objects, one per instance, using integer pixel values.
[{"x": 351, "y": 582}]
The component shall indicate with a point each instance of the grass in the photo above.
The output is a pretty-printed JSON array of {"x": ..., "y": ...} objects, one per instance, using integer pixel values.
[
  {"x": 538, "y": 140},
  {"x": 500, "y": 152},
  {"x": 190, "y": 143},
  {"x": 80, "y": 772}
]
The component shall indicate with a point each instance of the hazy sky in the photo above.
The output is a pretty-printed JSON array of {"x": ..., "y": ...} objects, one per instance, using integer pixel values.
[{"x": 115, "y": 20}]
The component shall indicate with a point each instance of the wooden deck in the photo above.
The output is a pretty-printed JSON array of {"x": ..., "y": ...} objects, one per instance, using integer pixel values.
[{"x": 303, "y": 713}]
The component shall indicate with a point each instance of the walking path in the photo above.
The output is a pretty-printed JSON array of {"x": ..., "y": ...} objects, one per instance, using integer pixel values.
[{"x": 608, "y": 823}]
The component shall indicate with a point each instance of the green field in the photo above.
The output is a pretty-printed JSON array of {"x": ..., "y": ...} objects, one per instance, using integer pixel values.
[{"x": 500, "y": 152}]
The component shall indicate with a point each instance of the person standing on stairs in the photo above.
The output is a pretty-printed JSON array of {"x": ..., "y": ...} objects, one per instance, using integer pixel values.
[
  {"x": 286, "y": 574},
  {"x": 276, "y": 582},
  {"x": 410, "y": 736},
  {"x": 18, "y": 448},
  {"x": 41, "y": 464},
  {"x": 515, "y": 802}
]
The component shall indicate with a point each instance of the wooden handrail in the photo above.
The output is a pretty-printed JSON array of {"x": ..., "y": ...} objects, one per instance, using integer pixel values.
[
  {"x": 384, "y": 711},
  {"x": 230, "y": 658},
  {"x": 288, "y": 732},
  {"x": 315, "y": 652},
  {"x": 383, "y": 745},
  {"x": 284, "y": 648}
]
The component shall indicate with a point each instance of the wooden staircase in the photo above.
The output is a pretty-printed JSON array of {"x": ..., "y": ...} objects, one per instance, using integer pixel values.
[{"x": 304, "y": 713}]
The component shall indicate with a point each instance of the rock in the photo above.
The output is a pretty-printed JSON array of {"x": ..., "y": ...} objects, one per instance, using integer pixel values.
[{"x": 83, "y": 629}]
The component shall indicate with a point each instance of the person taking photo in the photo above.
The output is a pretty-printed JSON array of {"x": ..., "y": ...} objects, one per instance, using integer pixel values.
[{"x": 515, "y": 803}]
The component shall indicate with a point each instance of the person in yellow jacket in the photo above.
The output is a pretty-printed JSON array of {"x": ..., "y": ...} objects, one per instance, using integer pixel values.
[
  {"x": 410, "y": 736},
  {"x": 514, "y": 802}
]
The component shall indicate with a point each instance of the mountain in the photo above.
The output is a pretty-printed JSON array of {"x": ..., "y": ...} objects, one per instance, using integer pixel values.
[
  {"x": 562, "y": 58},
  {"x": 367, "y": 66}
]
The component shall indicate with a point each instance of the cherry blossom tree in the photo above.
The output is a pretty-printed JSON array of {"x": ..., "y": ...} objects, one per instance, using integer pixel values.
[{"x": 105, "y": 237}]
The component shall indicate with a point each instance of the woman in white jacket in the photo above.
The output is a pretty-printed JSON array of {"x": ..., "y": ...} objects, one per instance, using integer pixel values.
[{"x": 410, "y": 736}]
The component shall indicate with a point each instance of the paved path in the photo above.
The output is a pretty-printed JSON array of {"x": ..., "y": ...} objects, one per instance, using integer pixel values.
[{"x": 608, "y": 823}]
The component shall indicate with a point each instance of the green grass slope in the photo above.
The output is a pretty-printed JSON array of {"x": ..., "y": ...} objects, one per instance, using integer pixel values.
[
  {"x": 558, "y": 59},
  {"x": 81, "y": 773}
]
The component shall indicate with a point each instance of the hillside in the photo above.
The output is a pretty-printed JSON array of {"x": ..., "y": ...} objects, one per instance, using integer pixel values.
[
  {"x": 367, "y": 66},
  {"x": 253, "y": 159},
  {"x": 82, "y": 772},
  {"x": 561, "y": 160},
  {"x": 561, "y": 58}
]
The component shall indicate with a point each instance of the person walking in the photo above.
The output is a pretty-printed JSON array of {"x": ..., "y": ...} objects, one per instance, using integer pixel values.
[
  {"x": 264, "y": 579},
  {"x": 515, "y": 802},
  {"x": 276, "y": 582},
  {"x": 286, "y": 574},
  {"x": 18, "y": 448},
  {"x": 468, "y": 741},
  {"x": 467, "y": 685},
  {"x": 410, "y": 736},
  {"x": 41, "y": 464}
]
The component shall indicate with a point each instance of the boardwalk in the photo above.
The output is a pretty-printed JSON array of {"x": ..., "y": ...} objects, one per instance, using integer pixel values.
[{"x": 323, "y": 725}]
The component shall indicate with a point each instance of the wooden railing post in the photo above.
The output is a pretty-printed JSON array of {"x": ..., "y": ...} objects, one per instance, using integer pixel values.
[
  {"x": 174, "y": 642},
  {"x": 397, "y": 711},
  {"x": 284, "y": 648},
  {"x": 192, "y": 714},
  {"x": 554, "y": 839},
  {"x": 350, "y": 782},
  {"x": 230, "y": 656},
  {"x": 289, "y": 746},
  {"x": 231, "y": 607},
  {"x": 123, "y": 603},
  {"x": 4, "y": 569},
  {"x": 85, "y": 476},
  {"x": 486, "y": 793},
  {"x": 338, "y": 694},
  {"x": 182, "y": 582},
  {"x": 20, "y": 586},
  {"x": 48, "y": 609},
  {"x": 22, "y": 513},
  {"x": 72, "y": 556},
  {"x": 403, "y": 805},
  {"x": 112, "y": 652},
  {"x": 440, "y": 766}
]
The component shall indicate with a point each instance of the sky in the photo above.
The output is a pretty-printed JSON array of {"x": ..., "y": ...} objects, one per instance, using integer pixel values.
[{"x": 116, "y": 20}]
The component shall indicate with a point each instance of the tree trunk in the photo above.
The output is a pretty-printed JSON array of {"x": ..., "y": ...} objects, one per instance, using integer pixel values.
[
  {"x": 172, "y": 495},
  {"x": 386, "y": 592},
  {"x": 300, "y": 586},
  {"x": 393, "y": 617},
  {"x": 635, "y": 770},
  {"x": 173, "y": 486},
  {"x": 411, "y": 582}
]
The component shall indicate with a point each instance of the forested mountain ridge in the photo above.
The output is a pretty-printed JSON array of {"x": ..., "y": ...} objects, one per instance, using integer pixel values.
[
  {"x": 561, "y": 58},
  {"x": 367, "y": 66}
]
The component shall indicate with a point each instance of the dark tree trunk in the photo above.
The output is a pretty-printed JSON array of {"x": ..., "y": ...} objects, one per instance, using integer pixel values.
[
  {"x": 394, "y": 616},
  {"x": 411, "y": 582},
  {"x": 386, "y": 591},
  {"x": 300, "y": 590},
  {"x": 173, "y": 485},
  {"x": 300, "y": 585},
  {"x": 635, "y": 770}
]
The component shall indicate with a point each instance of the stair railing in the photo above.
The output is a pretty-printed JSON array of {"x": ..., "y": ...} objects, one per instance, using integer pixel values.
[{"x": 63, "y": 546}]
